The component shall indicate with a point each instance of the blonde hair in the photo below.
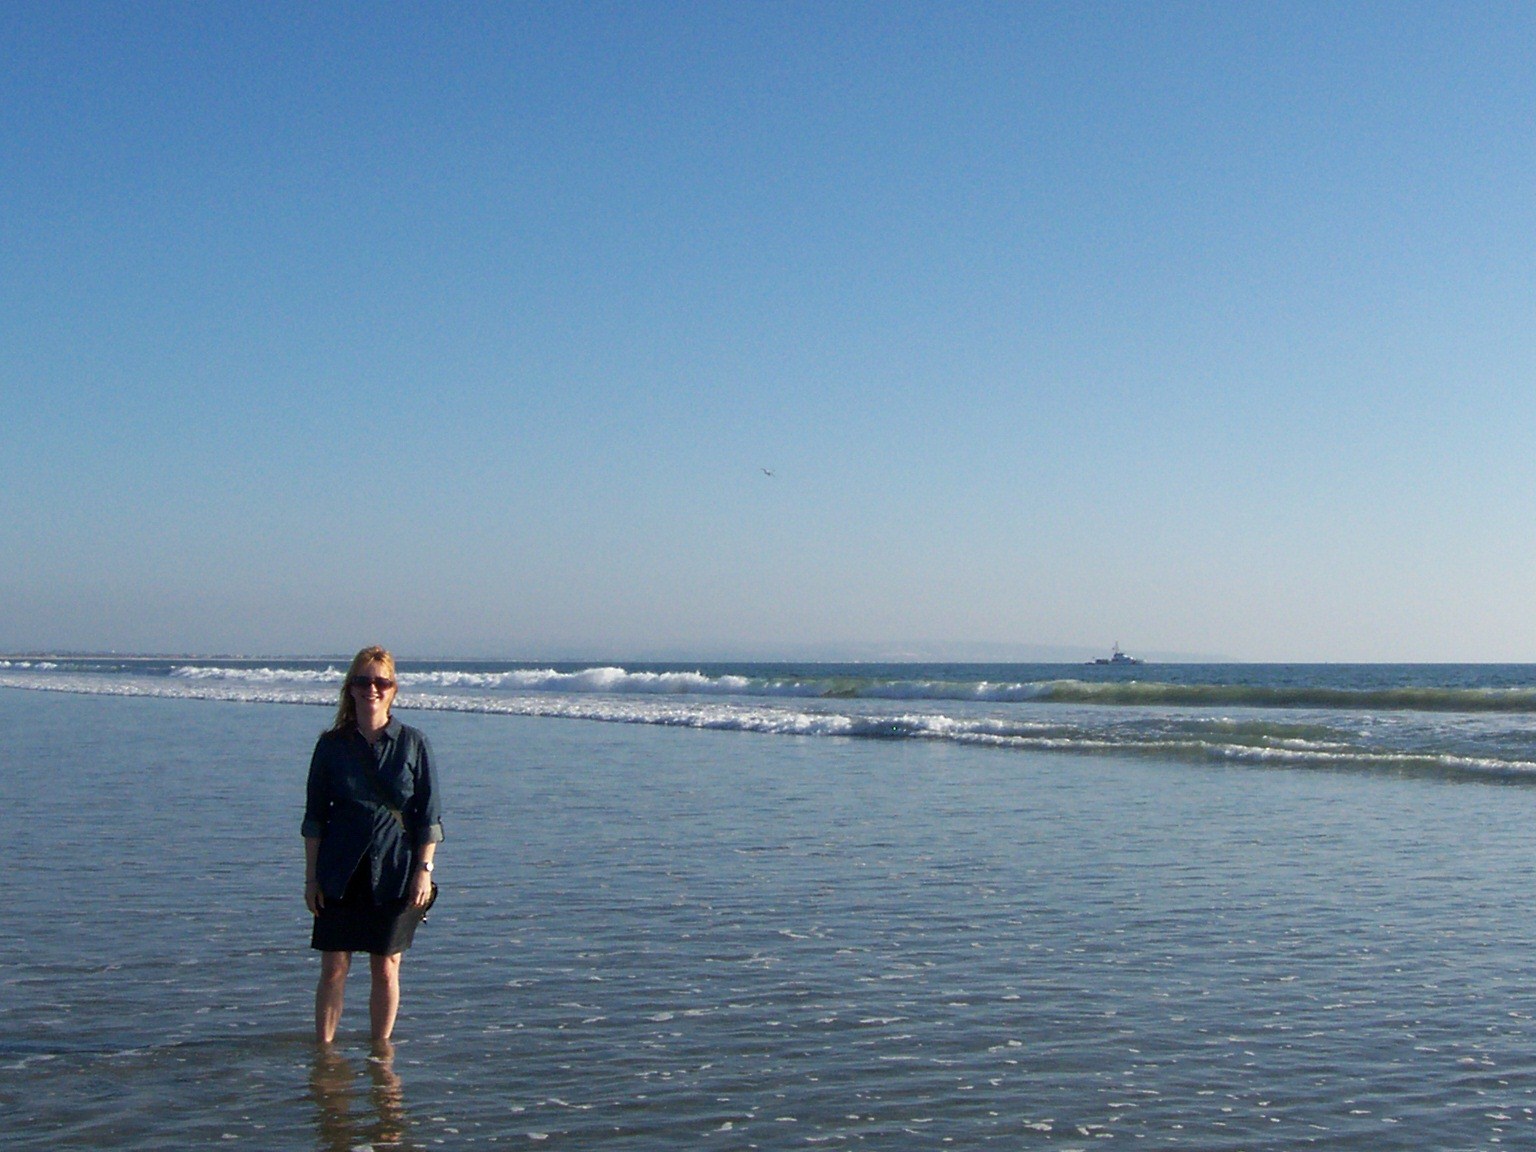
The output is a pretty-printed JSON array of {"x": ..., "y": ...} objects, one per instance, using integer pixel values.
[{"x": 346, "y": 711}]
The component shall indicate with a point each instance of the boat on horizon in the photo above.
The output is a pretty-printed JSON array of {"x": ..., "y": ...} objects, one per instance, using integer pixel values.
[{"x": 1118, "y": 657}]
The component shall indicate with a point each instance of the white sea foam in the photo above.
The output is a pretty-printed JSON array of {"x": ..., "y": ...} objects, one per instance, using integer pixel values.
[
  {"x": 614, "y": 680},
  {"x": 620, "y": 681},
  {"x": 260, "y": 675},
  {"x": 607, "y": 679},
  {"x": 1082, "y": 732}
]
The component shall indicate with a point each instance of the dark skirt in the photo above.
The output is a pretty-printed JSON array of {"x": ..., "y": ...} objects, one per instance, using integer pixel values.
[{"x": 356, "y": 924}]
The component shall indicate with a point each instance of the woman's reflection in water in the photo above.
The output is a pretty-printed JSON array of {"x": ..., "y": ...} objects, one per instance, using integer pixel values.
[{"x": 343, "y": 1121}]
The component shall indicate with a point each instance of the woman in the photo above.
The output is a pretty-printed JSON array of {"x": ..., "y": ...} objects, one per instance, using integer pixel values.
[{"x": 371, "y": 828}]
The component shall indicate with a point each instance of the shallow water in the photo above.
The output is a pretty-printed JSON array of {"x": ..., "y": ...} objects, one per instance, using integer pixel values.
[{"x": 653, "y": 937}]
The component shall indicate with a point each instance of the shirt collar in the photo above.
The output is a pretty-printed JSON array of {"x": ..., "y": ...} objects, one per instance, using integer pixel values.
[{"x": 389, "y": 732}]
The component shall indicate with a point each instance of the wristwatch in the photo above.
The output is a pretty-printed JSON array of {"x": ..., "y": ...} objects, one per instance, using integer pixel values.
[{"x": 425, "y": 864}]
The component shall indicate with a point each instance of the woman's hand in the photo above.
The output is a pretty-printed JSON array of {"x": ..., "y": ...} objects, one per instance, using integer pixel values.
[
  {"x": 421, "y": 887},
  {"x": 314, "y": 899}
]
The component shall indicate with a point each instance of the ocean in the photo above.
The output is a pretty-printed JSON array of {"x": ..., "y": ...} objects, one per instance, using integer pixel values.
[{"x": 771, "y": 906}]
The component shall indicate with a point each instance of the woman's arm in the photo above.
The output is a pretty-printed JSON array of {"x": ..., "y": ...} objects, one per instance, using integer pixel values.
[
  {"x": 419, "y": 891},
  {"x": 314, "y": 899},
  {"x": 316, "y": 809},
  {"x": 426, "y": 806},
  {"x": 317, "y": 804},
  {"x": 425, "y": 827}
]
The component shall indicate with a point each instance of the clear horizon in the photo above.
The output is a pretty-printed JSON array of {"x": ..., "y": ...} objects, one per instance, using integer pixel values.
[
  {"x": 1066, "y": 656},
  {"x": 615, "y": 327},
  {"x": 911, "y": 653}
]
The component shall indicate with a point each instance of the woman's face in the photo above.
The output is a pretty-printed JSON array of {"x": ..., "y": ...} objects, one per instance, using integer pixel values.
[{"x": 373, "y": 688}]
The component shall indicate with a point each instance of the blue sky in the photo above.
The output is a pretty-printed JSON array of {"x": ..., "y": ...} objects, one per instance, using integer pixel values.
[{"x": 1207, "y": 328}]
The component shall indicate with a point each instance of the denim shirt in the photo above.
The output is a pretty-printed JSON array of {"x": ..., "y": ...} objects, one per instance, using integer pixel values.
[{"x": 355, "y": 790}]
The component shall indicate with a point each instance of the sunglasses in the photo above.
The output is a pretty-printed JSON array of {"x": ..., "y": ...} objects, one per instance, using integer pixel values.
[{"x": 383, "y": 684}]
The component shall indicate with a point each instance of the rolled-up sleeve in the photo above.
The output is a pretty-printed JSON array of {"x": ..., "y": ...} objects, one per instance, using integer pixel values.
[
  {"x": 427, "y": 803},
  {"x": 316, "y": 804}
]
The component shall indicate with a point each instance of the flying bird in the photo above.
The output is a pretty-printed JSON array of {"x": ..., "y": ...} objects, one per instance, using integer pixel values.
[{"x": 767, "y": 472}]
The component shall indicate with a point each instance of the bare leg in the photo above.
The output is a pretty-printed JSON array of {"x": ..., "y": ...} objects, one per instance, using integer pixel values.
[
  {"x": 384, "y": 997},
  {"x": 334, "y": 967}
]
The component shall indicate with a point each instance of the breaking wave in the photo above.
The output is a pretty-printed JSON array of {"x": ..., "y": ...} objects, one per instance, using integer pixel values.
[
  {"x": 1282, "y": 741},
  {"x": 612, "y": 680}
]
